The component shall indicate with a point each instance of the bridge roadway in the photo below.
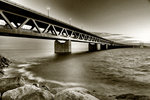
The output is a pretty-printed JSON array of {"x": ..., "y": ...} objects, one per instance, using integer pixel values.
[{"x": 18, "y": 21}]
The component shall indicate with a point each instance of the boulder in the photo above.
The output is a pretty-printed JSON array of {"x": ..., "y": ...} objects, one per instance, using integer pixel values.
[
  {"x": 74, "y": 94},
  {"x": 132, "y": 97},
  {"x": 28, "y": 92},
  {"x": 4, "y": 62},
  {"x": 10, "y": 83},
  {"x": 0, "y": 96},
  {"x": 56, "y": 90},
  {"x": 1, "y": 73}
]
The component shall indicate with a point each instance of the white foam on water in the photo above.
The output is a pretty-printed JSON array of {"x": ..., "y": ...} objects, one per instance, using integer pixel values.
[
  {"x": 40, "y": 79},
  {"x": 31, "y": 76},
  {"x": 145, "y": 78},
  {"x": 22, "y": 70},
  {"x": 27, "y": 64},
  {"x": 147, "y": 63},
  {"x": 8, "y": 69},
  {"x": 64, "y": 83},
  {"x": 148, "y": 57},
  {"x": 23, "y": 65}
]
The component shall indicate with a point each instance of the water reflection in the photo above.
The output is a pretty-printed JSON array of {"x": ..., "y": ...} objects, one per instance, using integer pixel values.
[{"x": 67, "y": 68}]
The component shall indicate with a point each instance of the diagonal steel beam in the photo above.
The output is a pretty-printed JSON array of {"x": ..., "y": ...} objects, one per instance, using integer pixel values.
[
  {"x": 96, "y": 39},
  {"x": 75, "y": 34},
  {"x": 99, "y": 40},
  {"x": 82, "y": 37},
  {"x": 16, "y": 24},
  {"x": 32, "y": 28},
  {"x": 85, "y": 37},
  {"x": 90, "y": 38},
  {"x": 78, "y": 37},
  {"x": 71, "y": 34},
  {"x": 45, "y": 30},
  {"x": 37, "y": 27},
  {"x": 23, "y": 23},
  {"x": 66, "y": 32},
  {"x": 55, "y": 32},
  {"x": 61, "y": 31},
  {"x": 93, "y": 39},
  {"x": 6, "y": 20}
]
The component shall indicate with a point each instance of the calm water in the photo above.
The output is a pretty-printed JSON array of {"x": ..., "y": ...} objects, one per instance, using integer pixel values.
[{"x": 110, "y": 71}]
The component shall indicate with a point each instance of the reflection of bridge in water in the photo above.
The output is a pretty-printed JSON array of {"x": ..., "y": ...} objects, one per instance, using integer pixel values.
[{"x": 22, "y": 22}]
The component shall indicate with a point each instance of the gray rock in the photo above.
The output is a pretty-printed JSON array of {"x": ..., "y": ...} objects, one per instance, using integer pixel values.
[
  {"x": 1, "y": 73},
  {"x": 56, "y": 90},
  {"x": 28, "y": 92},
  {"x": 0, "y": 96},
  {"x": 75, "y": 94},
  {"x": 10, "y": 83},
  {"x": 4, "y": 62},
  {"x": 132, "y": 97}
]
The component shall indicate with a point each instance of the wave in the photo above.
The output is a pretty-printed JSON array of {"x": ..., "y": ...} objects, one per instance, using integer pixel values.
[{"x": 21, "y": 69}]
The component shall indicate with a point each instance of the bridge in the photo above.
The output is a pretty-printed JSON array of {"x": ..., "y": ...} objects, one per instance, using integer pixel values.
[{"x": 19, "y": 21}]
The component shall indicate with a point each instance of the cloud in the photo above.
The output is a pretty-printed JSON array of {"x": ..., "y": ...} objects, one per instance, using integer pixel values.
[
  {"x": 103, "y": 34},
  {"x": 120, "y": 38}
]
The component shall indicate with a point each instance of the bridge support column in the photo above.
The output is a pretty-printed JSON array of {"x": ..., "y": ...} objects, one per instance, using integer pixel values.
[
  {"x": 94, "y": 47},
  {"x": 107, "y": 46},
  {"x": 110, "y": 47},
  {"x": 62, "y": 47},
  {"x": 104, "y": 47}
]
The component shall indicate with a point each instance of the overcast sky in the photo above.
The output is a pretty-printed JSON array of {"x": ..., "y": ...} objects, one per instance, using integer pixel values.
[{"x": 130, "y": 18}]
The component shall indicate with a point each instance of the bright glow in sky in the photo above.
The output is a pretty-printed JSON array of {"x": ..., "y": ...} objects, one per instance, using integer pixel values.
[{"x": 130, "y": 18}]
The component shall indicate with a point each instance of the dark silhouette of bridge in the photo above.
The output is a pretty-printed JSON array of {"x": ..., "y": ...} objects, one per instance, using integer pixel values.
[{"x": 19, "y": 21}]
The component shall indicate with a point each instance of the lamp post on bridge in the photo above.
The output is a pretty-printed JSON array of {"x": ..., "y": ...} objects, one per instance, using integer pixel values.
[
  {"x": 70, "y": 19},
  {"x": 48, "y": 10}
]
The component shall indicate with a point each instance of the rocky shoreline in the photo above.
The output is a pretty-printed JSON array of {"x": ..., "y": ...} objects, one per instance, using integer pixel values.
[{"x": 21, "y": 88}]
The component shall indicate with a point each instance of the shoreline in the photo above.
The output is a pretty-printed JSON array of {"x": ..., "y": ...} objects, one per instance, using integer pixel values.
[
  {"x": 55, "y": 87},
  {"x": 52, "y": 86}
]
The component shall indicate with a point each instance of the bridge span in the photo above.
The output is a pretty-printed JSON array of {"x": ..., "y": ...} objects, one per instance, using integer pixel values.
[{"x": 18, "y": 21}]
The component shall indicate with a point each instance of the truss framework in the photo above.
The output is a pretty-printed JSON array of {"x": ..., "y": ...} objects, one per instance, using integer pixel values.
[{"x": 42, "y": 28}]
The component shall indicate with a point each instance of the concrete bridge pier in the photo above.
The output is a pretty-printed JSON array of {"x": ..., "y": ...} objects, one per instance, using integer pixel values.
[
  {"x": 62, "y": 47},
  {"x": 111, "y": 47},
  {"x": 94, "y": 47},
  {"x": 104, "y": 46}
]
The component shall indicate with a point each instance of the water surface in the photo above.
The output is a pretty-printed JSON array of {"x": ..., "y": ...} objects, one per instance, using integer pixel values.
[{"x": 113, "y": 71}]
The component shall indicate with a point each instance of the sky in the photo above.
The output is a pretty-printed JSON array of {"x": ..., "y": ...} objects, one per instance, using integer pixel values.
[{"x": 129, "y": 19}]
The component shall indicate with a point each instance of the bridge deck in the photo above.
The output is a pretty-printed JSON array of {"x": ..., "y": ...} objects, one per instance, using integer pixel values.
[{"x": 23, "y": 22}]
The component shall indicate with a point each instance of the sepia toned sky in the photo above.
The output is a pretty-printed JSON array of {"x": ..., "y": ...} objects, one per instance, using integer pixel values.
[{"x": 130, "y": 19}]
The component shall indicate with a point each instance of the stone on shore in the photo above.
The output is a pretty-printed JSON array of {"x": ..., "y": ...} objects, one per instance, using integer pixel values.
[
  {"x": 132, "y": 97},
  {"x": 4, "y": 62},
  {"x": 74, "y": 94},
  {"x": 1, "y": 73},
  {"x": 28, "y": 92},
  {"x": 10, "y": 83}
]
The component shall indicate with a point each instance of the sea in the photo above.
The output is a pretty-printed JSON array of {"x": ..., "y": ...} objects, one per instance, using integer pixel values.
[{"x": 111, "y": 72}]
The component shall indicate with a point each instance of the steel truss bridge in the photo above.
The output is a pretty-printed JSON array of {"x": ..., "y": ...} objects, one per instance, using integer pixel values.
[{"x": 19, "y": 21}]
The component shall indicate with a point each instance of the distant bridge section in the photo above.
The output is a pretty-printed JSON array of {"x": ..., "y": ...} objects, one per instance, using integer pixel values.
[{"x": 19, "y": 21}]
